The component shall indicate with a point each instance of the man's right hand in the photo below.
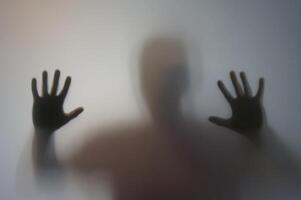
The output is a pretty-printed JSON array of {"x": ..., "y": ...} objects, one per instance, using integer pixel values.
[
  {"x": 247, "y": 110},
  {"x": 48, "y": 114}
]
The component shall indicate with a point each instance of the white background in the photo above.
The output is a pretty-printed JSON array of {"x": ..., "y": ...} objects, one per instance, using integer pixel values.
[{"x": 98, "y": 44}]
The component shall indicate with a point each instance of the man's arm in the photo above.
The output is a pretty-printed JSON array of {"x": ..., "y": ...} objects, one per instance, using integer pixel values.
[
  {"x": 248, "y": 119},
  {"x": 48, "y": 116}
]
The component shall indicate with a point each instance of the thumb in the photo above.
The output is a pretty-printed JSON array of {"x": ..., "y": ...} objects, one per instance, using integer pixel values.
[
  {"x": 220, "y": 122},
  {"x": 73, "y": 114}
]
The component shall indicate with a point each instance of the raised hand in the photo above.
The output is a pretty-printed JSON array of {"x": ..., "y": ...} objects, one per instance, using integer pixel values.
[
  {"x": 247, "y": 111},
  {"x": 48, "y": 114}
]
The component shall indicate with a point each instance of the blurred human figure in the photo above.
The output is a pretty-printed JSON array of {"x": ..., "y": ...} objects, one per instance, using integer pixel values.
[{"x": 164, "y": 158}]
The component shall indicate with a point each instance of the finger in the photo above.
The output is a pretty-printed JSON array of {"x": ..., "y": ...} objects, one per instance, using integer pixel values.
[
  {"x": 45, "y": 84},
  {"x": 260, "y": 89},
  {"x": 246, "y": 84},
  {"x": 55, "y": 82},
  {"x": 237, "y": 87},
  {"x": 34, "y": 88},
  {"x": 66, "y": 87},
  {"x": 225, "y": 91},
  {"x": 73, "y": 114},
  {"x": 220, "y": 122}
]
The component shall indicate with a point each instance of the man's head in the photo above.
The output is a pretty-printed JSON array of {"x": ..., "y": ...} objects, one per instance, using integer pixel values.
[{"x": 163, "y": 74}]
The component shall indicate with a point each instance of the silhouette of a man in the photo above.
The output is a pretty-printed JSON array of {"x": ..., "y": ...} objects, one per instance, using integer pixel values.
[{"x": 147, "y": 160}]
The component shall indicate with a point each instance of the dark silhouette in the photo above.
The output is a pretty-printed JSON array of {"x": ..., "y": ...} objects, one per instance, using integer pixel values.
[
  {"x": 169, "y": 158},
  {"x": 48, "y": 116},
  {"x": 247, "y": 111},
  {"x": 48, "y": 111}
]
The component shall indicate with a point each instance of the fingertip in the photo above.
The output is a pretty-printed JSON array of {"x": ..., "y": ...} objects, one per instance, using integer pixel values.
[
  {"x": 260, "y": 88},
  {"x": 233, "y": 75},
  {"x": 261, "y": 82},
  {"x": 34, "y": 88},
  {"x": 34, "y": 83},
  {"x": 68, "y": 79},
  {"x": 80, "y": 110},
  {"x": 75, "y": 112},
  {"x": 57, "y": 72},
  {"x": 45, "y": 77},
  {"x": 67, "y": 82},
  {"x": 211, "y": 118},
  {"x": 214, "y": 120},
  {"x": 220, "y": 84}
]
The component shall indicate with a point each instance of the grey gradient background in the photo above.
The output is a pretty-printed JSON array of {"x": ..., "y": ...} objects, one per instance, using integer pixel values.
[{"x": 98, "y": 43}]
